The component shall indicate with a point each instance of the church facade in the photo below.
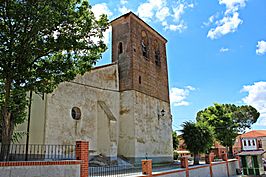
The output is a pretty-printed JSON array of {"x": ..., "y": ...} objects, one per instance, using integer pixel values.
[{"x": 122, "y": 108}]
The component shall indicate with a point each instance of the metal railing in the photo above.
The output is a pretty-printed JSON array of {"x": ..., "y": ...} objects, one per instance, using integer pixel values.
[
  {"x": 115, "y": 171},
  {"x": 18, "y": 152}
]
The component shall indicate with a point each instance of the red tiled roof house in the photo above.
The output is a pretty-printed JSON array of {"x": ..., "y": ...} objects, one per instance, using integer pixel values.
[{"x": 254, "y": 140}]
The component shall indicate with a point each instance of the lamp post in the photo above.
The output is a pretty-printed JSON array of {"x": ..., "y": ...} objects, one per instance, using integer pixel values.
[{"x": 161, "y": 113}]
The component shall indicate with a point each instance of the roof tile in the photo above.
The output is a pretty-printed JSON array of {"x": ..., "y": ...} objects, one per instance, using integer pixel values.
[{"x": 254, "y": 134}]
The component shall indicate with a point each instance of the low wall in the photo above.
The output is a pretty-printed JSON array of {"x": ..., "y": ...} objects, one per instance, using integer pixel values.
[
  {"x": 219, "y": 169},
  {"x": 171, "y": 173},
  {"x": 41, "y": 169},
  {"x": 215, "y": 169},
  {"x": 233, "y": 165},
  {"x": 200, "y": 171}
]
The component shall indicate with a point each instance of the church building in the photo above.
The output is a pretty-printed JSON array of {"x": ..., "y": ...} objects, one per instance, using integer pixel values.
[{"x": 121, "y": 108}]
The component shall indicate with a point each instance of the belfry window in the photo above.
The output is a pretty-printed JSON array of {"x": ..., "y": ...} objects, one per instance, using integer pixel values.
[
  {"x": 120, "y": 48},
  {"x": 157, "y": 57},
  {"x": 157, "y": 54},
  {"x": 144, "y": 44},
  {"x": 144, "y": 50}
]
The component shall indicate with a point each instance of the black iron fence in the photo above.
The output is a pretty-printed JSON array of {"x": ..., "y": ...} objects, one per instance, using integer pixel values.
[
  {"x": 115, "y": 171},
  {"x": 33, "y": 152}
]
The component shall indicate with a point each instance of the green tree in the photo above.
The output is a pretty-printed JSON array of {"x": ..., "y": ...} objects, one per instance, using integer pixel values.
[
  {"x": 43, "y": 43},
  {"x": 198, "y": 138},
  {"x": 228, "y": 120},
  {"x": 175, "y": 140}
]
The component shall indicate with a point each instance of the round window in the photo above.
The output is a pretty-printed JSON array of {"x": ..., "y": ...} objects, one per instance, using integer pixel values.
[{"x": 76, "y": 113}]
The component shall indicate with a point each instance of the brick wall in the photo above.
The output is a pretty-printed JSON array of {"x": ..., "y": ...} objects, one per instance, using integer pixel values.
[
  {"x": 146, "y": 167},
  {"x": 136, "y": 71},
  {"x": 82, "y": 150}
]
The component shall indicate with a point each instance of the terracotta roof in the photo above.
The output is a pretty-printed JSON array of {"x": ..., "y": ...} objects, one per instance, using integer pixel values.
[
  {"x": 254, "y": 134},
  {"x": 218, "y": 145},
  {"x": 237, "y": 143},
  {"x": 103, "y": 66}
]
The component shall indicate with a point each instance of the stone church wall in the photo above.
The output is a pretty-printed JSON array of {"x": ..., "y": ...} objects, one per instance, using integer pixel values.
[
  {"x": 95, "y": 93},
  {"x": 37, "y": 121},
  {"x": 127, "y": 139},
  {"x": 144, "y": 132},
  {"x": 153, "y": 130}
]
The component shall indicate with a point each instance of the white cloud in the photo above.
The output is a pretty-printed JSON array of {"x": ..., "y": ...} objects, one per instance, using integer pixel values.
[
  {"x": 159, "y": 10},
  {"x": 157, "y": 3},
  {"x": 178, "y": 96},
  {"x": 123, "y": 10},
  {"x": 224, "y": 49},
  {"x": 189, "y": 87},
  {"x": 162, "y": 13},
  {"x": 257, "y": 98},
  {"x": 106, "y": 37},
  {"x": 123, "y": 2},
  {"x": 228, "y": 24},
  {"x": 99, "y": 9},
  {"x": 190, "y": 5},
  {"x": 164, "y": 23},
  {"x": 211, "y": 19},
  {"x": 147, "y": 9},
  {"x": 232, "y": 5},
  {"x": 178, "y": 11},
  {"x": 230, "y": 21},
  {"x": 261, "y": 48},
  {"x": 175, "y": 27},
  {"x": 122, "y": 7}
]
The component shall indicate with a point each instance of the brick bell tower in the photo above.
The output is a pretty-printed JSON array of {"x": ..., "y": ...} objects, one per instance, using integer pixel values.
[
  {"x": 141, "y": 55},
  {"x": 140, "y": 52}
]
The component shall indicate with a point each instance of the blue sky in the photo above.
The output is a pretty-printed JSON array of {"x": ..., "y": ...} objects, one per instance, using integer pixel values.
[{"x": 216, "y": 50}]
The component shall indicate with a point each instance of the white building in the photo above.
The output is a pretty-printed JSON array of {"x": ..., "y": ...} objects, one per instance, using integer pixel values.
[{"x": 254, "y": 140}]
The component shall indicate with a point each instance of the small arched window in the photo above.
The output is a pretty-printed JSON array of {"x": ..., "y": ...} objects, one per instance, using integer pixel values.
[
  {"x": 144, "y": 44},
  {"x": 120, "y": 48}
]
